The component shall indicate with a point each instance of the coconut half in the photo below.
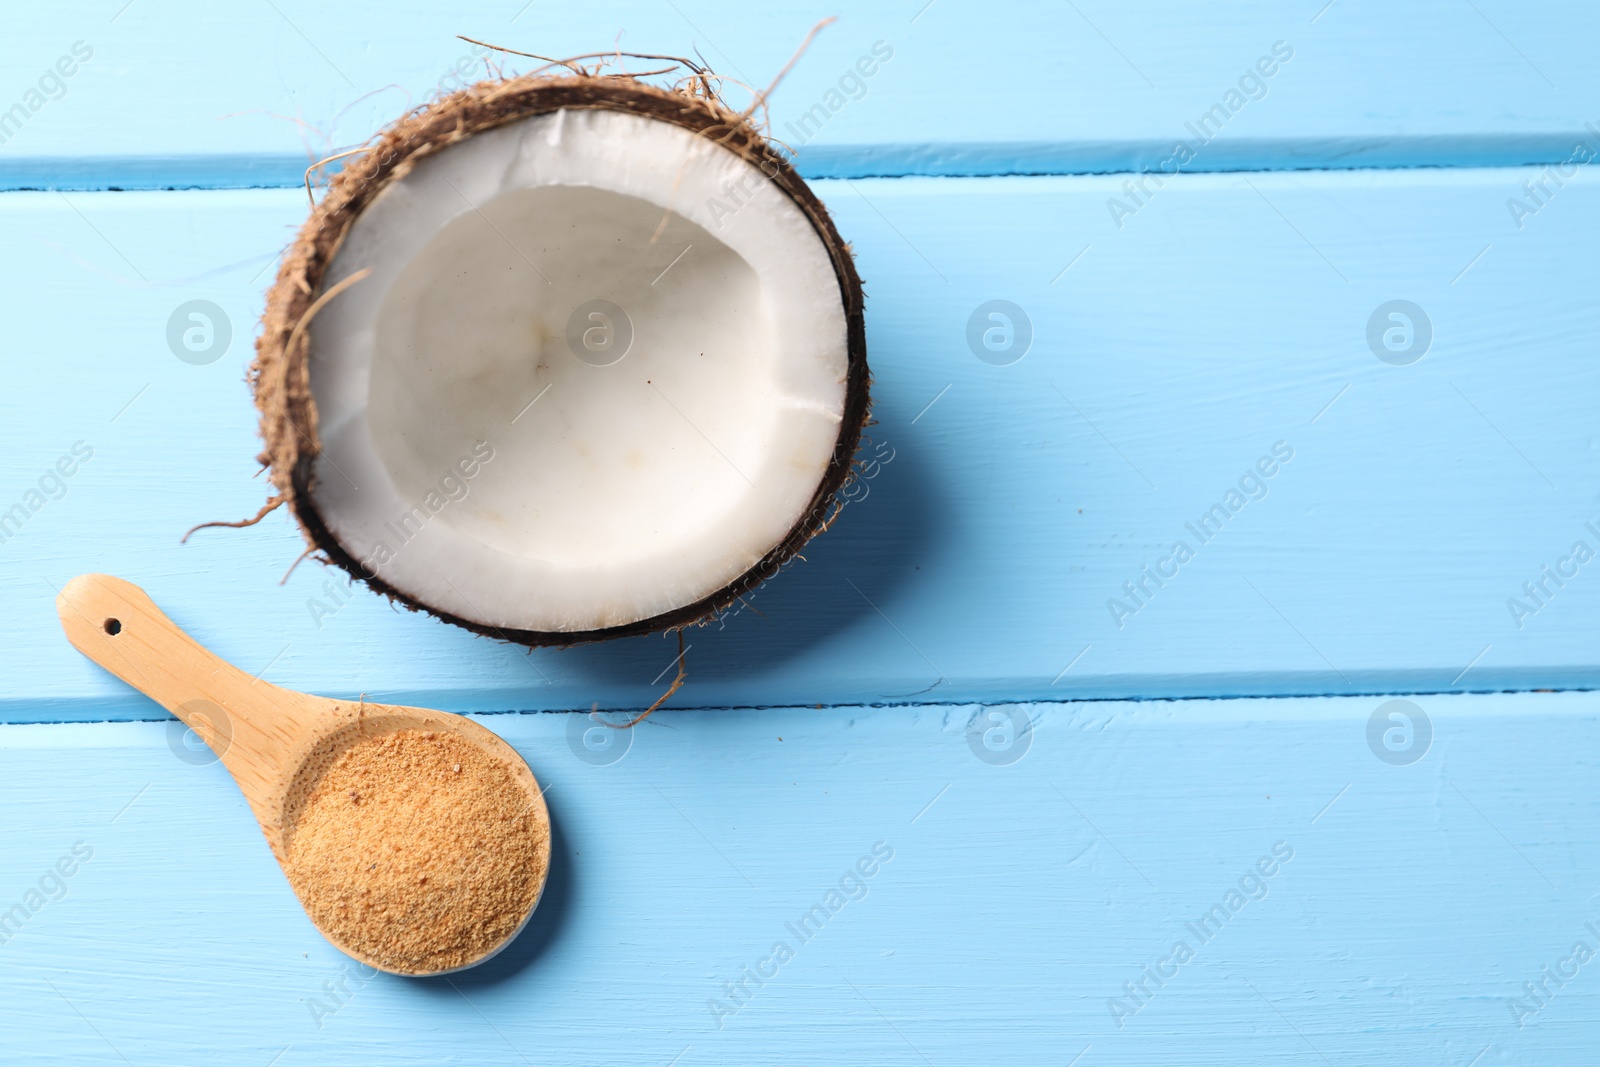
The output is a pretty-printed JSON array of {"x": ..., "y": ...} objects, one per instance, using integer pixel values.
[{"x": 563, "y": 359}]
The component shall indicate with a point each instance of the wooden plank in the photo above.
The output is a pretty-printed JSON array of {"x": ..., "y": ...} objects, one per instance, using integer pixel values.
[
  {"x": 1021, "y": 896},
  {"x": 1228, "y": 317},
  {"x": 187, "y": 93}
]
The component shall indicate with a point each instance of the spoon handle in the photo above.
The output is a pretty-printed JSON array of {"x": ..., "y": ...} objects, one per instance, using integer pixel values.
[{"x": 247, "y": 722}]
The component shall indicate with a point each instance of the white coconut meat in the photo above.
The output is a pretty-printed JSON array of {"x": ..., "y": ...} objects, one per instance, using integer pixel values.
[{"x": 533, "y": 416}]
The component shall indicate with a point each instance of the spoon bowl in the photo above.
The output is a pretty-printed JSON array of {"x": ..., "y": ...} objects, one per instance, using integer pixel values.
[{"x": 276, "y": 743}]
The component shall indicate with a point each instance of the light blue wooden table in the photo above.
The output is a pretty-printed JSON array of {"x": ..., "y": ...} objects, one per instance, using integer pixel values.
[{"x": 1123, "y": 803}]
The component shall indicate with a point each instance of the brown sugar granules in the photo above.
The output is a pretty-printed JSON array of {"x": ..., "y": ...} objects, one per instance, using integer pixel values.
[{"x": 418, "y": 851}]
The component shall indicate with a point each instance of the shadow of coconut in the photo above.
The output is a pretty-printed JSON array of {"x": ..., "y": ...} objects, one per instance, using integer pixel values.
[{"x": 872, "y": 550}]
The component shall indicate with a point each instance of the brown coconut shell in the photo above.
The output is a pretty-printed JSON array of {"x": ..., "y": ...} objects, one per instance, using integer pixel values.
[{"x": 280, "y": 374}]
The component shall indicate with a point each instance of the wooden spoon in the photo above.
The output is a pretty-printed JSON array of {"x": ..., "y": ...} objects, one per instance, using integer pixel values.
[{"x": 275, "y": 742}]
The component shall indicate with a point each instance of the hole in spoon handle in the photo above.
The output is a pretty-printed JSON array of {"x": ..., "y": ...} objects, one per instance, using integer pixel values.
[{"x": 116, "y": 624}]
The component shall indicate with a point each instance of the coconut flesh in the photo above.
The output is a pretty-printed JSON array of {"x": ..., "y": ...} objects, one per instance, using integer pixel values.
[{"x": 598, "y": 374}]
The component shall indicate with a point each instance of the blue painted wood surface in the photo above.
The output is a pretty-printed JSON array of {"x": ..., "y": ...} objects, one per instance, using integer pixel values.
[
  {"x": 193, "y": 93},
  {"x": 989, "y": 556},
  {"x": 1019, "y": 900},
  {"x": 1179, "y": 332}
]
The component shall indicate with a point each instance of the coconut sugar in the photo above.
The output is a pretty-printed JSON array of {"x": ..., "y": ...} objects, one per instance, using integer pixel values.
[{"x": 417, "y": 851}]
